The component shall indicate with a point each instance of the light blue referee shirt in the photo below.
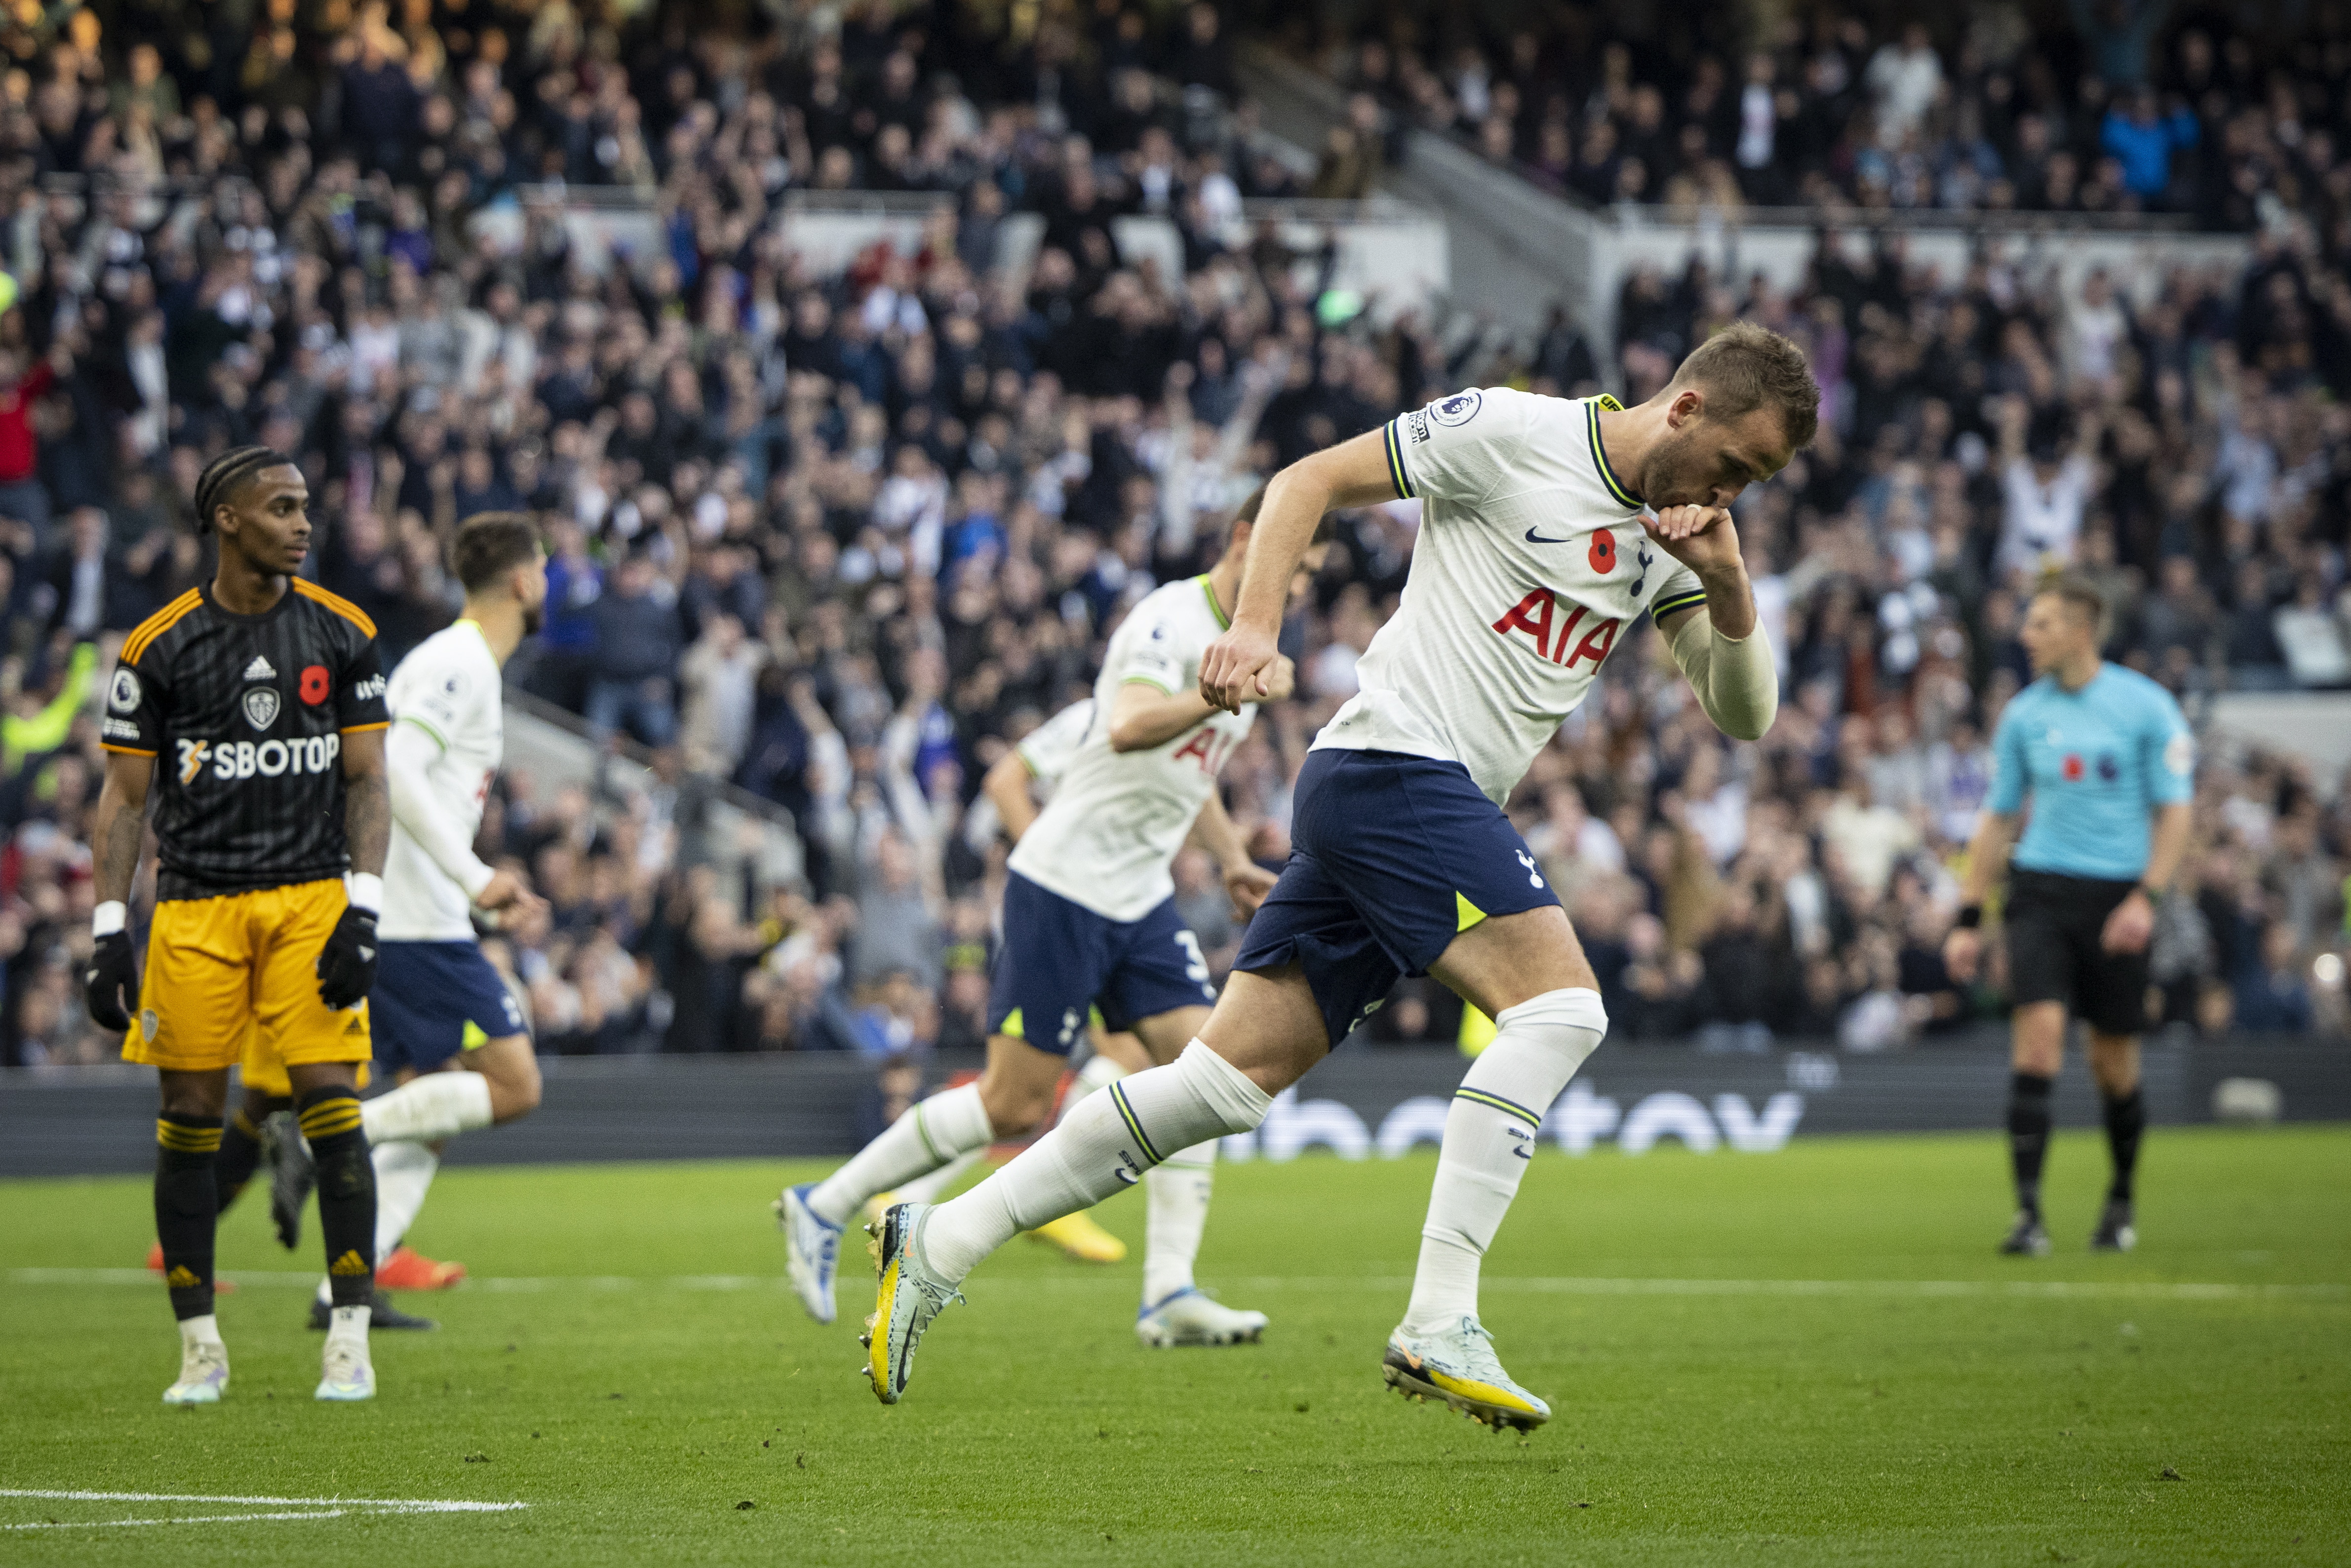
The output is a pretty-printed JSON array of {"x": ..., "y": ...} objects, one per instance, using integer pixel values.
[{"x": 2097, "y": 762}]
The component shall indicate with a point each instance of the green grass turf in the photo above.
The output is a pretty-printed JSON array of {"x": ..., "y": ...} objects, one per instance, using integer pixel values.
[{"x": 1876, "y": 1425}]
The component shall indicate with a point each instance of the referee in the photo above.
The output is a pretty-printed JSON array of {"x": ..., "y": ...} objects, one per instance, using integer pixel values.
[{"x": 2106, "y": 754}]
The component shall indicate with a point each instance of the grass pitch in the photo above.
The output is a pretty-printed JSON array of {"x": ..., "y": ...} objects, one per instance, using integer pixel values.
[{"x": 1807, "y": 1357}]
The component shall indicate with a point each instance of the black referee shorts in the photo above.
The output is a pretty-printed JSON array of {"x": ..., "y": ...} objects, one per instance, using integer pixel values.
[{"x": 2055, "y": 954}]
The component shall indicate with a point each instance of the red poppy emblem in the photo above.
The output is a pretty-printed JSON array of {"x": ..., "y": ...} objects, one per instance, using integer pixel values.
[
  {"x": 314, "y": 684},
  {"x": 1604, "y": 552},
  {"x": 2072, "y": 767}
]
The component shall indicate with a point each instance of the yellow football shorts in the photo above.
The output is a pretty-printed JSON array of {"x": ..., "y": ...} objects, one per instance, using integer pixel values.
[{"x": 234, "y": 978}]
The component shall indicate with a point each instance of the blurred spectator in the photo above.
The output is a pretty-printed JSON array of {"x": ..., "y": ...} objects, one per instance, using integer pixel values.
[{"x": 2136, "y": 106}]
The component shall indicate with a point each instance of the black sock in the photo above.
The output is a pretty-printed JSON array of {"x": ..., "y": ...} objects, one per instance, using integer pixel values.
[
  {"x": 2125, "y": 1124},
  {"x": 240, "y": 1156},
  {"x": 330, "y": 1121},
  {"x": 186, "y": 1205},
  {"x": 2028, "y": 1135}
]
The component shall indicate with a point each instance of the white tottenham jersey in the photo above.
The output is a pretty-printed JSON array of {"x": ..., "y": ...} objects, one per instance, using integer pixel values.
[
  {"x": 1531, "y": 562},
  {"x": 447, "y": 687},
  {"x": 1116, "y": 819},
  {"x": 1048, "y": 749}
]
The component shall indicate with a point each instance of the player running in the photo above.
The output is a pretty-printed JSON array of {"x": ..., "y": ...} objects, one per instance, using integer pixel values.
[
  {"x": 1011, "y": 790},
  {"x": 1089, "y": 920},
  {"x": 1533, "y": 555},
  {"x": 2102, "y": 750},
  {"x": 447, "y": 1027},
  {"x": 263, "y": 695}
]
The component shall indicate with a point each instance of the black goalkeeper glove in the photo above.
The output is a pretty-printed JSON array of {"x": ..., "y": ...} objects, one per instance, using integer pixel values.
[
  {"x": 347, "y": 963},
  {"x": 111, "y": 981}
]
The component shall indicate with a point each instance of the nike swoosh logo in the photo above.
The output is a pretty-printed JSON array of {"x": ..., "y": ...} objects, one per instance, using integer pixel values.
[{"x": 1535, "y": 538}]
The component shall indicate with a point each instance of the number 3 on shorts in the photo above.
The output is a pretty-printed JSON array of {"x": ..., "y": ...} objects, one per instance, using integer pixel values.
[{"x": 1196, "y": 964}]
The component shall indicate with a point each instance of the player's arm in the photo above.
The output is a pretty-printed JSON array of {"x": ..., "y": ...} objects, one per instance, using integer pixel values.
[
  {"x": 111, "y": 985},
  {"x": 1246, "y": 882},
  {"x": 410, "y": 749},
  {"x": 1006, "y": 785},
  {"x": 1236, "y": 669},
  {"x": 2170, "y": 775},
  {"x": 346, "y": 965},
  {"x": 1988, "y": 853},
  {"x": 2131, "y": 924},
  {"x": 367, "y": 801},
  {"x": 1144, "y": 716}
]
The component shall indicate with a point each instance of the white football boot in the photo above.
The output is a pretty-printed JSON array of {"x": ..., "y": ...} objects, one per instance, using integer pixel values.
[
  {"x": 203, "y": 1375},
  {"x": 812, "y": 1251},
  {"x": 345, "y": 1371},
  {"x": 909, "y": 1298},
  {"x": 1459, "y": 1367},
  {"x": 1190, "y": 1317}
]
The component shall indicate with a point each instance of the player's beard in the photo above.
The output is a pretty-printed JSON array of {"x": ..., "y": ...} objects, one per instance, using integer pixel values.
[
  {"x": 1673, "y": 477},
  {"x": 533, "y": 615}
]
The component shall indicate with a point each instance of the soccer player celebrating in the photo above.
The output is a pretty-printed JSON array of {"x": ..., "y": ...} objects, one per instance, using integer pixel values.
[
  {"x": 263, "y": 696},
  {"x": 2106, "y": 756},
  {"x": 1089, "y": 920},
  {"x": 447, "y": 1027},
  {"x": 1533, "y": 555}
]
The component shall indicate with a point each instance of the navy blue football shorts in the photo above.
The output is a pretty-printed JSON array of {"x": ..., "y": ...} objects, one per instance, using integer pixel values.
[
  {"x": 1060, "y": 960},
  {"x": 1392, "y": 857},
  {"x": 433, "y": 999}
]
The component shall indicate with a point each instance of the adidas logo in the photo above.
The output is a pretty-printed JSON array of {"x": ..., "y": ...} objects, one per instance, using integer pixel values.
[
  {"x": 355, "y": 1026},
  {"x": 349, "y": 1264},
  {"x": 182, "y": 1279},
  {"x": 260, "y": 670}
]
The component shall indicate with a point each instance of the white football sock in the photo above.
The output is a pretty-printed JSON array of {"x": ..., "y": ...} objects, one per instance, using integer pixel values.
[
  {"x": 1489, "y": 1136},
  {"x": 1178, "y": 1191},
  {"x": 1099, "y": 1072},
  {"x": 1104, "y": 1143},
  {"x": 195, "y": 1332},
  {"x": 403, "y": 1174},
  {"x": 348, "y": 1324},
  {"x": 926, "y": 1189},
  {"x": 427, "y": 1108},
  {"x": 931, "y": 1133}
]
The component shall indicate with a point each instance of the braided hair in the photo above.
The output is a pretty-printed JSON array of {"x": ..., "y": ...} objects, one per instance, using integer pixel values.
[{"x": 227, "y": 471}]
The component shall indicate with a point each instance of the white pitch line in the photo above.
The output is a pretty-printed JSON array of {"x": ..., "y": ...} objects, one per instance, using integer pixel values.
[
  {"x": 403, "y": 1504},
  {"x": 186, "y": 1519},
  {"x": 1564, "y": 1285}
]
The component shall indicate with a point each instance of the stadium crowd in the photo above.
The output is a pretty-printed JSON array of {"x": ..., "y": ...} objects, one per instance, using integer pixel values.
[
  {"x": 2094, "y": 107},
  {"x": 840, "y": 540}
]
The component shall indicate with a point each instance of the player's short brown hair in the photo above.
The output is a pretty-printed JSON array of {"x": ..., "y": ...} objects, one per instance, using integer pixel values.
[
  {"x": 1744, "y": 367},
  {"x": 2078, "y": 593},
  {"x": 489, "y": 543}
]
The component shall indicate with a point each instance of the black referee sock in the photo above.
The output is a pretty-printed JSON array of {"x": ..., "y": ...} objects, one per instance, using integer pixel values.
[
  {"x": 330, "y": 1121},
  {"x": 186, "y": 1206},
  {"x": 2125, "y": 1124},
  {"x": 240, "y": 1156},
  {"x": 2028, "y": 1135}
]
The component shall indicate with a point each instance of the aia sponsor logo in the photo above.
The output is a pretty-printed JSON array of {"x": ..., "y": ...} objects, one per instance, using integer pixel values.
[{"x": 1555, "y": 641}]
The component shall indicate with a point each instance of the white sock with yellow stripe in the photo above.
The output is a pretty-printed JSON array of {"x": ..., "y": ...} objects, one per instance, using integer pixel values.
[
  {"x": 1104, "y": 1143},
  {"x": 931, "y": 1133},
  {"x": 1489, "y": 1136},
  {"x": 427, "y": 1108}
]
